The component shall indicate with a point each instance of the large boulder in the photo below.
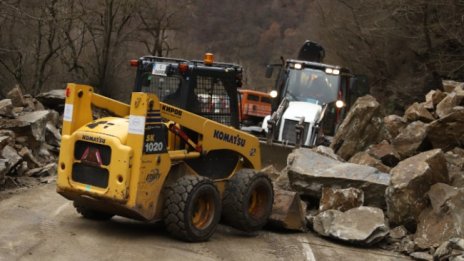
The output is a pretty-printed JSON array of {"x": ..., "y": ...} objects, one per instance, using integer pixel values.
[
  {"x": 447, "y": 132},
  {"x": 411, "y": 140},
  {"x": 53, "y": 99},
  {"x": 361, "y": 226},
  {"x": 37, "y": 121},
  {"x": 362, "y": 127},
  {"x": 418, "y": 112},
  {"x": 363, "y": 158},
  {"x": 451, "y": 86},
  {"x": 444, "y": 219},
  {"x": 394, "y": 124},
  {"x": 446, "y": 106},
  {"x": 288, "y": 211},
  {"x": 455, "y": 163},
  {"x": 309, "y": 172},
  {"x": 341, "y": 199},
  {"x": 10, "y": 154},
  {"x": 410, "y": 180}
]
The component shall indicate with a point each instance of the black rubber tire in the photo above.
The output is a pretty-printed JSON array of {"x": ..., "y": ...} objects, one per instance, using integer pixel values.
[
  {"x": 238, "y": 199},
  {"x": 92, "y": 214},
  {"x": 184, "y": 200}
]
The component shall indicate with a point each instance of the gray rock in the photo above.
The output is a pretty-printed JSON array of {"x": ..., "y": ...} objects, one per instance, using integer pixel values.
[
  {"x": 328, "y": 152},
  {"x": 37, "y": 121},
  {"x": 452, "y": 249},
  {"x": 421, "y": 256},
  {"x": 16, "y": 96},
  {"x": 444, "y": 220},
  {"x": 446, "y": 106},
  {"x": 309, "y": 172},
  {"x": 410, "y": 181},
  {"x": 418, "y": 112},
  {"x": 53, "y": 99},
  {"x": 341, "y": 199},
  {"x": 47, "y": 170},
  {"x": 362, "y": 127},
  {"x": 288, "y": 211},
  {"x": 361, "y": 226},
  {"x": 447, "y": 132},
  {"x": 394, "y": 124},
  {"x": 398, "y": 232},
  {"x": 10, "y": 154},
  {"x": 6, "y": 108},
  {"x": 271, "y": 172},
  {"x": 52, "y": 135},
  {"x": 364, "y": 158},
  {"x": 411, "y": 140}
]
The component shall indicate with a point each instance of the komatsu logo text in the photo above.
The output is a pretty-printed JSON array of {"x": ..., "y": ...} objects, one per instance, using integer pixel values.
[
  {"x": 93, "y": 139},
  {"x": 171, "y": 110},
  {"x": 234, "y": 139}
]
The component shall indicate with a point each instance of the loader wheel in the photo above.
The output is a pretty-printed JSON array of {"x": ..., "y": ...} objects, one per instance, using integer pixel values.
[
  {"x": 192, "y": 208},
  {"x": 248, "y": 200},
  {"x": 92, "y": 214}
]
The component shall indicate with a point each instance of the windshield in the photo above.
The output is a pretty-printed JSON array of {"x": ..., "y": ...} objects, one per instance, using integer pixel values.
[{"x": 311, "y": 85}]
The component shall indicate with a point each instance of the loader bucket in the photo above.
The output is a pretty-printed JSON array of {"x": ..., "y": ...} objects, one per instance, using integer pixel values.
[{"x": 274, "y": 154}]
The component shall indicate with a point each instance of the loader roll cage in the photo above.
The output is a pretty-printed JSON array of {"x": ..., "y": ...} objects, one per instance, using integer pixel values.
[{"x": 206, "y": 90}]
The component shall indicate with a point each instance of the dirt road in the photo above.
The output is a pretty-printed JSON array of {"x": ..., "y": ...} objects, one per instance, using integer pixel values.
[{"x": 38, "y": 224}]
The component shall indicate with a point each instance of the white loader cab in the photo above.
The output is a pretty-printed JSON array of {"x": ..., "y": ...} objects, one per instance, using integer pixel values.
[{"x": 311, "y": 101}]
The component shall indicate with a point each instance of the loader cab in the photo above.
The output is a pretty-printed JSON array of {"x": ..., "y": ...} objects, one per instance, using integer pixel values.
[
  {"x": 204, "y": 87},
  {"x": 331, "y": 88}
]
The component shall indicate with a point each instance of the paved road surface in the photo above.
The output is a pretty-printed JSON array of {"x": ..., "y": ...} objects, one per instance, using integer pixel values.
[{"x": 38, "y": 224}]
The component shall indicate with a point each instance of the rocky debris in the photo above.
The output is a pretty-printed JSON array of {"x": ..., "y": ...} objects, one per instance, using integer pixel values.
[
  {"x": 411, "y": 140},
  {"x": 444, "y": 219},
  {"x": 394, "y": 124},
  {"x": 341, "y": 199},
  {"x": 29, "y": 140},
  {"x": 362, "y": 127},
  {"x": 288, "y": 211},
  {"x": 53, "y": 99},
  {"x": 447, "y": 105},
  {"x": 409, "y": 183},
  {"x": 450, "y": 250},
  {"x": 364, "y": 158},
  {"x": 455, "y": 163},
  {"x": 418, "y": 112},
  {"x": 309, "y": 172},
  {"x": 360, "y": 226},
  {"x": 398, "y": 233}
]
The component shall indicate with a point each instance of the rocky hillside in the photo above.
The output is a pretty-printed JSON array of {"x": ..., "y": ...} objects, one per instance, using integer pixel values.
[{"x": 29, "y": 138}]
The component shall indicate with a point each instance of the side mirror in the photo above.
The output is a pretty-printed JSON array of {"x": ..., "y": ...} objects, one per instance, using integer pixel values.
[
  {"x": 269, "y": 71},
  {"x": 359, "y": 85}
]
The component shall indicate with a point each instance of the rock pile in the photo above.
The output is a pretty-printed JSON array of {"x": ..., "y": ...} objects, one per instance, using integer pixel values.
[
  {"x": 29, "y": 140},
  {"x": 404, "y": 172}
]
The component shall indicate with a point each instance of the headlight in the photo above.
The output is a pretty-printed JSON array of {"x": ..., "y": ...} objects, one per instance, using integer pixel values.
[
  {"x": 273, "y": 93},
  {"x": 339, "y": 104},
  {"x": 297, "y": 66}
]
